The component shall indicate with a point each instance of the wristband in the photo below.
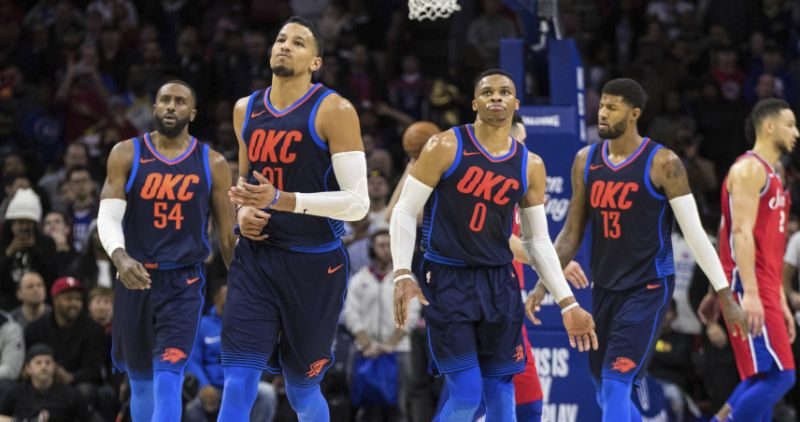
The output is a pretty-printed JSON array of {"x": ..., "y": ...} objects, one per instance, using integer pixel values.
[
  {"x": 404, "y": 276},
  {"x": 274, "y": 200},
  {"x": 567, "y": 308}
]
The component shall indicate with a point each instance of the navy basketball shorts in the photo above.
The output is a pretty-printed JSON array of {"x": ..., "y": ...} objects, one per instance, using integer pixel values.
[
  {"x": 282, "y": 310},
  {"x": 628, "y": 323},
  {"x": 155, "y": 329},
  {"x": 474, "y": 319}
]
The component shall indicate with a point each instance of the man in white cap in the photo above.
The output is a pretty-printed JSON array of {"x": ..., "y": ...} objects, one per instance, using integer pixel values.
[{"x": 24, "y": 248}]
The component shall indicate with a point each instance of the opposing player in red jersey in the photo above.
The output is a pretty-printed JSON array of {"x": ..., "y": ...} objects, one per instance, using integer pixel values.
[
  {"x": 752, "y": 242},
  {"x": 527, "y": 389}
]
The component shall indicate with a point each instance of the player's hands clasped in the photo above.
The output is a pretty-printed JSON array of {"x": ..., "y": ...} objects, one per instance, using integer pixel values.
[
  {"x": 580, "y": 329},
  {"x": 534, "y": 301},
  {"x": 258, "y": 196},
  {"x": 131, "y": 272},
  {"x": 751, "y": 304},
  {"x": 405, "y": 290},
  {"x": 252, "y": 222}
]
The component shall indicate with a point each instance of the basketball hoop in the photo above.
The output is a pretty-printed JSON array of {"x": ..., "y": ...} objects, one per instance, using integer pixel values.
[{"x": 431, "y": 9}]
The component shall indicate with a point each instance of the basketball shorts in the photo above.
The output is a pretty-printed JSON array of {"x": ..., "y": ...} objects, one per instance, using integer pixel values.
[
  {"x": 628, "y": 323},
  {"x": 155, "y": 329},
  {"x": 756, "y": 355},
  {"x": 474, "y": 319},
  {"x": 282, "y": 310}
]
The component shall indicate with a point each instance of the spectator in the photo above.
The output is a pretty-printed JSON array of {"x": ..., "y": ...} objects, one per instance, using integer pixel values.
[
  {"x": 114, "y": 60},
  {"x": 231, "y": 67},
  {"x": 727, "y": 73},
  {"x": 668, "y": 11},
  {"x": 25, "y": 247},
  {"x": 368, "y": 315},
  {"x": 101, "y": 310},
  {"x": 258, "y": 59},
  {"x": 362, "y": 77},
  {"x": 31, "y": 292},
  {"x": 139, "y": 99},
  {"x": 93, "y": 266},
  {"x": 769, "y": 78},
  {"x": 189, "y": 61},
  {"x": 41, "y": 395},
  {"x": 205, "y": 365},
  {"x": 357, "y": 241},
  {"x": 485, "y": 32},
  {"x": 76, "y": 155},
  {"x": 82, "y": 94},
  {"x": 378, "y": 185},
  {"x": 83, "y": 209},
  {"x": 14, "y": 164},
  {"x": 101, "y": 307},
  {"x": 77, "y": 341},
  {"x": 408, "y": 93},
  {"x": 115, "y": 12},
  {"x": 12, "y": 352},
  {"x": 11, "y": 184}
]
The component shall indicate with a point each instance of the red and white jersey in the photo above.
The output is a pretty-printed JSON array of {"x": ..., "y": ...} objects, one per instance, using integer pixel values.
[
  {"x": 769, "y": 233},
  {"x": 758, "y": 354}
]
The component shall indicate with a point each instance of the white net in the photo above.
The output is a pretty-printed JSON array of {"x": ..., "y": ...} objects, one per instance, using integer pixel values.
[{"x": 431, "y": 9}]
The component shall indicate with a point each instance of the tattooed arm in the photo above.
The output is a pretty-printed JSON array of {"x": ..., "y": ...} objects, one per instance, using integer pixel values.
[
  {"x": 669, "y": 174},
  {"x": 571, "y": 235}
]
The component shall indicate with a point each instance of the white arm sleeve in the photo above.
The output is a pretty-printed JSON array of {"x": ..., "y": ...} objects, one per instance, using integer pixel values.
[
  {"x": 109, "y": 224},
  {"x": 537, "y": 243},
  {"x": 403, "y": 226},
  {"x": 685, "y": 210},
  {"x": 351, "y": 203}
]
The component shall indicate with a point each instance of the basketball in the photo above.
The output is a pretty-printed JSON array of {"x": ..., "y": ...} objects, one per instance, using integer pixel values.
[{"x": 416, "y": 135}]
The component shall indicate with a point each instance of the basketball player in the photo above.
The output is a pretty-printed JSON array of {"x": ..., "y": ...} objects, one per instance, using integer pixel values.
[
  {"x": 630, "y": 186},
  {"x": 288, "y": 278},
  {"x": 469, "y": 179},
  {"x": 152, "y": 222},
  {"x": 752, "y": 241},
  {"x": 527, "y": 389}
]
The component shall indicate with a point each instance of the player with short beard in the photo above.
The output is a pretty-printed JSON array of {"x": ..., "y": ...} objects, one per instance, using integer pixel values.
[
  {"x": 158, "y": 195},
  {"x": 629, "y": 186}
]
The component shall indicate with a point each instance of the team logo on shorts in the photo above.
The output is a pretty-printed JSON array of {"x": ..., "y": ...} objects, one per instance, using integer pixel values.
[
  {"x": 316, "y": 368},
  {"x": 172, "y": 355},
  {"x": 520, "y": 354},
  {"x": 623, "y": 365}
]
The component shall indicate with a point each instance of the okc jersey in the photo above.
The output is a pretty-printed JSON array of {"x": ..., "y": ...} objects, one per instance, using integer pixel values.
[
  {"x": 631, "y": 220},
  {"x": 284, "y": 146},
  {"x": 168, "y": 206},
  {"x": 468, "y": 218},
  {"x": 759, "y": 354}
]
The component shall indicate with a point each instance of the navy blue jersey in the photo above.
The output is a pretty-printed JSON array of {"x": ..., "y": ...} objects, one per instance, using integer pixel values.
[
  {"x": 284, "y": 146},
  {"x": 468, "y": 217},
  {"x": 631, "y": 219},
  {"x": 168, "y": 206}
]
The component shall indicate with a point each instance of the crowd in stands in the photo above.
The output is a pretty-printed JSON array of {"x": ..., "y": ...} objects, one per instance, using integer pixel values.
[{"x": 78, "y": 76}]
